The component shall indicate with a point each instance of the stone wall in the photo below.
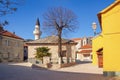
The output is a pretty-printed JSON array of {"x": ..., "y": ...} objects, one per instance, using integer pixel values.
[
  {"x": 73, "y": 52},
  {"x": 11, "y": 49},
  {"x": 53, "y": 50}
]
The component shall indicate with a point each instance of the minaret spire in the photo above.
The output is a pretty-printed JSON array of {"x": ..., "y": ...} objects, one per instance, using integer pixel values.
[
  {"x": 38, "y": 22},
  {"x": 37, "y": 31}
]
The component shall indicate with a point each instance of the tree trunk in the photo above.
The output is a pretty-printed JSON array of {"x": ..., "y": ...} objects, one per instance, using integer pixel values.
[{"x": 60, "y": 44}]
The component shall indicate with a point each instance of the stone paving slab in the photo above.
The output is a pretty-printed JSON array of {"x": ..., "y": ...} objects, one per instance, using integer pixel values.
[{"x": 83, "y": 68}]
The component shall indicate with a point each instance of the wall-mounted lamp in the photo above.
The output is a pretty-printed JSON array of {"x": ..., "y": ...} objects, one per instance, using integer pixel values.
[{"x": 94, "y": 26}]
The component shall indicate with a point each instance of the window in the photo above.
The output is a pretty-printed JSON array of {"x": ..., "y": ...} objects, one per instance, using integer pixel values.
[
  {"x": 0, "y": 37},
  {"x": 64, "y": 53},
  {"x": 17, "y": 44},
  {"x": 7, "y": 42},
  {"x": 87, "y": 41},
  {"x": 84, "y": 42}
]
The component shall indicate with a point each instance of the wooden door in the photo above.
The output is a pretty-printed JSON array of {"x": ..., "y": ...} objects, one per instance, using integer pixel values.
[{"x": 100, "y": 60}]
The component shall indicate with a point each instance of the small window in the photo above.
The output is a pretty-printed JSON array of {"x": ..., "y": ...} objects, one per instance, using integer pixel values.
[
  {"x": 84, "y": 42},
  {"x": 87, "y": 41},
  {"x": 64, "y": 53},
  {"x": 17, "y": 44},
  {"x": 7, "y": 42}
]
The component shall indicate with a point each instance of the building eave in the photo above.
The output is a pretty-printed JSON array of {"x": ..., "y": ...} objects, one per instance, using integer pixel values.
[
  {"x": 49, "y": 43},
  {"x": 9, "y": 34},
  {"x": 106, "y": 10},
  {"x": 51, "y": 40}
]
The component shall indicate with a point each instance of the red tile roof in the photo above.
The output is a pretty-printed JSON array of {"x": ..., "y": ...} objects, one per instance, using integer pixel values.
[
  {"x": 85, "y": 51},
  {"x": 25, "y": 44},
  {"x": 86, "y": 46},
  {"x": 76, "y": 39},
  {"x": 9, "y": 34}
]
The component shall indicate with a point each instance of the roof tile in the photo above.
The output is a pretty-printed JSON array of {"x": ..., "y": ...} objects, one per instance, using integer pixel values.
[
  {"x": 9, "y": 34},
  {"x": 86, "y": 46},
  {"x": 50, "y": 39},
  {"x": 85, "y": 51},
  {"x": 76, "y": 39}
]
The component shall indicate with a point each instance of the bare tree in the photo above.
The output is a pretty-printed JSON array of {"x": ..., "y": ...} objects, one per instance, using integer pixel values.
[
  {"x": 7, "y": 7},
  {"x": 60, "y": 20}
]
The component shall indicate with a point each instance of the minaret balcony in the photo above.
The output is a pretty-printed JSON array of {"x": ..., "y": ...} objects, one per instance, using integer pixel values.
[{"x": 36, "y": 32}]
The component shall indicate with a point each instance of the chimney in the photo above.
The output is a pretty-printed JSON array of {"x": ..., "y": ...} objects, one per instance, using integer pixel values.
[
  {"x": 13, "y": 32},
  {"x": 1, "y": 28}
]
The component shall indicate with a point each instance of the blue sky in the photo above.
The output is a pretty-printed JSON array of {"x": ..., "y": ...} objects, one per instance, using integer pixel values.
[{"x": 23, "y": 21}]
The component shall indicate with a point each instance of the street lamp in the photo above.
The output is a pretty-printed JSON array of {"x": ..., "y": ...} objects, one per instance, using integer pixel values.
[{"x": 94, "y": 26}]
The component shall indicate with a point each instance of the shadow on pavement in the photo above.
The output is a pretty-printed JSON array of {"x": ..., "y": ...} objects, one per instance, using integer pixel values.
[
  {"x": 17, "y": 72},
  {"x": 83, "y": 62}
]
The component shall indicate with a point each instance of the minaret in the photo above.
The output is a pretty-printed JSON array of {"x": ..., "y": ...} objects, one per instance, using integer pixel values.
[{"x": 37, "y": 31}]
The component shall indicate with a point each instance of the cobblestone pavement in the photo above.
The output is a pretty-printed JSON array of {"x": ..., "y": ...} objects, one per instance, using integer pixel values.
[{"x": 23, "y": 71}]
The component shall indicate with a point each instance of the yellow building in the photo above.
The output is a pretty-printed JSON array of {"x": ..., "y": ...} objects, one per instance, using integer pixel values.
[{"x": 109, "y": 40}]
